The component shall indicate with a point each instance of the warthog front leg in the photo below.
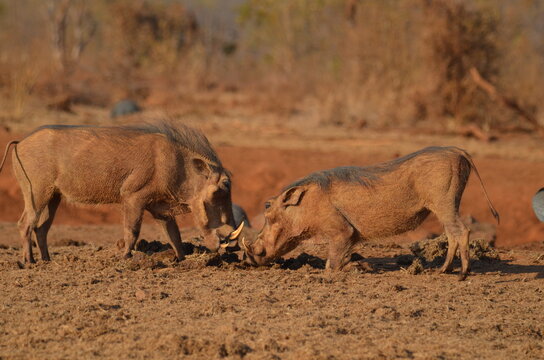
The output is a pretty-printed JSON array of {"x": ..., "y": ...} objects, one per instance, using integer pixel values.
[
  {"x": 133, "y": 212},
  {"x": 340, "y": 247},
  {"x": 171, "y": 230}
]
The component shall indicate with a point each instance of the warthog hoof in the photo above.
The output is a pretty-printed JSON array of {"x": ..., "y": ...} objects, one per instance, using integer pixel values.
[{"x": 462, "y": 276}]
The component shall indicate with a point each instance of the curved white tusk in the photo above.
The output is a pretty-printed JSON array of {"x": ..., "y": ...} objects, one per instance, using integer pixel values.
[
  {"x": 224, "y": 245},
  {"x": 234, "y": 235}
]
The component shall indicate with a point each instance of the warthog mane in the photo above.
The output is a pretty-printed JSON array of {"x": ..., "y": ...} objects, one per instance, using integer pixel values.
[
  {"x": 179, "y": 134},
  {"x": 366, "y": 176}
]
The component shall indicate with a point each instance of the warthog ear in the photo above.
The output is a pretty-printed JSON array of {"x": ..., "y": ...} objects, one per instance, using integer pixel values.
[
  {"x": 201, "y": 167},
  {"x": 293, "y": 196}
]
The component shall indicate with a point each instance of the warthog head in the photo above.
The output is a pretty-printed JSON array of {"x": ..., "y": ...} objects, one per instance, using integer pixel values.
[
  {"x": 287, "y": 222},
  {"x": 212, "y": 206}
]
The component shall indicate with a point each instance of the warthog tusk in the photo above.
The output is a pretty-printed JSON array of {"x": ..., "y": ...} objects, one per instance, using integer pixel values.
[
  {"x": 234, "y": 235},
  {"x": 224, "y": 245}
]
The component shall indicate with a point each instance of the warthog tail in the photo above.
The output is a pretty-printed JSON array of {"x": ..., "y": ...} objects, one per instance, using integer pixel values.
[
  {"x": 469, "y": 159},
  {"x": 14, "y": 142}
]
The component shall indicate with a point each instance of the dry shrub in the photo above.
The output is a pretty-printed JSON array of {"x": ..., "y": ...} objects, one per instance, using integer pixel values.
[
  {"x": 320, "y": 51},
  {"x": 354, "y": 63},
  {"x": 145, "y": 40},
  {"x": 389, "y": 63},
  {"x": 20, "y": 74},
  {"x": 458, "y": 38},
  {"x": 71, "y": 27},
  {"x": 151, "y": 33},
  {"x": 22, "y": 61},
  {"x": 342, "y": 108},
  {"x": 22, "y": 82}
]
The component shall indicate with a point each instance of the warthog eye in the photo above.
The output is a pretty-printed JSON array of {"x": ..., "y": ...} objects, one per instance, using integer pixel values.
[
  {"x": 226, "y": 184},
  {"x": 267, "y": 204}
]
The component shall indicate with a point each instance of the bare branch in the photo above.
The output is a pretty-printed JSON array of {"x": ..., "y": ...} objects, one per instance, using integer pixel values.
[{"x": 509, "y": 102}]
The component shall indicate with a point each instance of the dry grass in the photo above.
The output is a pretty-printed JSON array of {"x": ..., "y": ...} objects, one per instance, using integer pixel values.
[{"x": 346, "y": 62}]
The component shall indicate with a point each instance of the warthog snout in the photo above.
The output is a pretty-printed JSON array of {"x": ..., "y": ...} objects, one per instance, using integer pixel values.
[
  {"x": 255, "y": 253},
  {"x": 231, "y": 239},
  {"x": 222, "y": 237}
]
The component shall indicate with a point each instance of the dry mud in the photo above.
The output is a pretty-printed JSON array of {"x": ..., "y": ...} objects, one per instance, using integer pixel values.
[{"x": 89, "y": 303}]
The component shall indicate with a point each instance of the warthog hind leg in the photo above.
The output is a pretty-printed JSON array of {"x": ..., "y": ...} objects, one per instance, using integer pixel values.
[
  {"x": 46, "y": 220},
  {"x": 464, "y": 251},
  {"x": 458, "y": 236},
  {"x": 452, "y": 249},
  {"x": 34, "y": 206}
]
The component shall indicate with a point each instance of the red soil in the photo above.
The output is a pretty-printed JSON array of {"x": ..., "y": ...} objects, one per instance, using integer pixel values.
[{"x": 260, "y": 172}]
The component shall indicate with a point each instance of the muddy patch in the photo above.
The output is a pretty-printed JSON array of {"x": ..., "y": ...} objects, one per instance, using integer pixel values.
[
  {"x": 70, "y": 242},
  {"x": 432, "y": 252},
  {"x": 416, "y": 267},
  {"x": 302, "y": 260}
]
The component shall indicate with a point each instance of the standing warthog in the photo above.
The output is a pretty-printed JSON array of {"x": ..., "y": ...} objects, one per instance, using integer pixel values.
[
  {"x": 163, "y": 169},
  {"x": 349, "y": 204}
]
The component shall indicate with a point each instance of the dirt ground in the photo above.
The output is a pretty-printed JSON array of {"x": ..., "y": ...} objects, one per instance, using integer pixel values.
[{"x": 89, "y": 303}]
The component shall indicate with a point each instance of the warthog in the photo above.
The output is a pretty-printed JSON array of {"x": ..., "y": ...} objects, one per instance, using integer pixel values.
[
  {"x": 240, "y": 215},
  {"x": 538, "y": 204},
  {"x": 350, "y": 204},
  {"x": 164, "y": 169}
]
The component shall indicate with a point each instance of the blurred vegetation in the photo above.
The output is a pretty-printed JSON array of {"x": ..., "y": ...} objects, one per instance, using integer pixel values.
[
  {"x": 457, "y": 39},
  {"x": 389, "y": 63}
]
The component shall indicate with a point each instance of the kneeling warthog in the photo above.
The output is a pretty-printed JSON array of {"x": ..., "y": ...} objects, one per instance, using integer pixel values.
[
  {"x": 350, "y": 204},
  {"x": 164, "y": 169}
]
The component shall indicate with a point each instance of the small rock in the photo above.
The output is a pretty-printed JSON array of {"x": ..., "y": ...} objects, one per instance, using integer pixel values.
[
  {"x": 140, "y": 295},
  {"x": 124, "y": 107},
  {"x": 387, "y": 313}
]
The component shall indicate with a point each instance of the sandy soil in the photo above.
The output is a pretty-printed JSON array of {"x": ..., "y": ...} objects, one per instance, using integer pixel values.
[{"x": 89, "y": 303}]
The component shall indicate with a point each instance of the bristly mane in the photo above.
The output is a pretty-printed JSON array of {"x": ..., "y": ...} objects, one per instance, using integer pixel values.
[
  {"x": 179, "y": 134},
  {"x": 324, "y": 178},
  {"x": 366, "y": 176},
  {"x": 192, "y": 139}
]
